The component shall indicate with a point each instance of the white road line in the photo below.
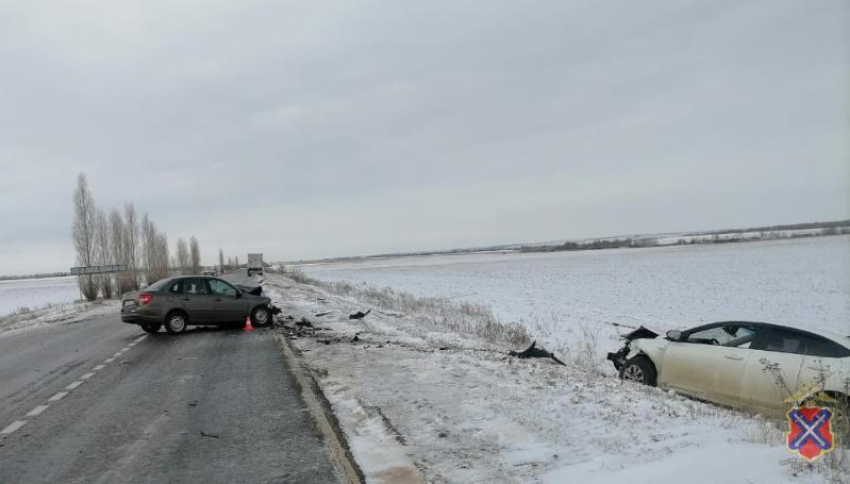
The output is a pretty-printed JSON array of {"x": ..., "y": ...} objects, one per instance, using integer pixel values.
[
  {"x": 14, "y": 426},
  {"x": 37, "y": 410},
  {"x": 58, "y": 396}
]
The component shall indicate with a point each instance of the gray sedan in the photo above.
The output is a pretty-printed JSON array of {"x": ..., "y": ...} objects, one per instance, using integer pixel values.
[{"x": 177, "y": 302}]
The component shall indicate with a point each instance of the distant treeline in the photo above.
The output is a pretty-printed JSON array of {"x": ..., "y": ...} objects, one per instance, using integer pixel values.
[
  {"x": 713, "y": 237},
  {"x": 34, "y": 276},
  {"x": 775, "y": 228}
]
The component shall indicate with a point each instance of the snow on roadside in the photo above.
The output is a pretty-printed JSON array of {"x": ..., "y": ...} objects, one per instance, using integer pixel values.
[
  {"x": 457, "y": 412},
  {"x": 51, "y": 314}
]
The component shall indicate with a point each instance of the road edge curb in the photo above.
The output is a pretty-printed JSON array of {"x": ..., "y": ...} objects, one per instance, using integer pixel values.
[{"x": 319, "y": 406}]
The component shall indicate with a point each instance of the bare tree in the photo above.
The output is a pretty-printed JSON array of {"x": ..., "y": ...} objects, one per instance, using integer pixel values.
[
  {"x": 160, "y": 268},
  {"x": 118, "y": 239},
  {"x": 149, "y": 248},
  {"x": 236, "y": 261},
  {"x": 196, "y": 255},
  {"x": 131, "y": 245},
  {"x": 182, "y": 257},
  {"x": 103, "y": 252},
  {"x": 83, "y": 233},
  {"x": 220, "y": 260}
]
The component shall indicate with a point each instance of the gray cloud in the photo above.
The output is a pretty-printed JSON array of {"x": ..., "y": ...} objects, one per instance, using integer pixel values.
[{"x": 309, "y": 129}]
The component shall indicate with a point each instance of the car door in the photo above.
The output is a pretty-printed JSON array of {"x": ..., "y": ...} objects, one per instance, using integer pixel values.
[
  {"x": 776, "y": 370},
  {"x": 786, "y": 363},
  {"x": 230, "y": 306},
  {"x": 197, "y": 301},
  {"x": 710, "y": 362}
]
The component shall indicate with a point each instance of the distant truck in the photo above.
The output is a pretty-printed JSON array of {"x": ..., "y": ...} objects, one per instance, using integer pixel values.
[{"x": 255, "y": 264}]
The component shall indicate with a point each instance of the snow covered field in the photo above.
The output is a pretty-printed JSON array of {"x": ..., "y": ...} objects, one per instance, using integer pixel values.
[
  {"x": 34, "y": 293},
  {"x": 422, "y": 405},
  {"x": 450, "y": 408},
  {"x": 798, "y": 282}
]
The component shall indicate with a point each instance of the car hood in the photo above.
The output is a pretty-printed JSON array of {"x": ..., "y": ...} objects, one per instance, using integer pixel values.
[
  {"x": 640, "y": 333},
  {"x": 252, "y": 290}
]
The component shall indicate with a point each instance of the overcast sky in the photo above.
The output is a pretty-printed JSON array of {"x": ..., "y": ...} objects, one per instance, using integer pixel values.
[{"x": 310, "y": 129}]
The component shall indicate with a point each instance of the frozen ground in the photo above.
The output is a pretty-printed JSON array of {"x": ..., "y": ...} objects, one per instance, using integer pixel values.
[
  {"x": 422, "y": 405},
  {"x": 798, "y": 282},
  {"x": 33, "y": 303},
  {"x": 27, "y": 319},
  {"x": 35, "y": 293}
]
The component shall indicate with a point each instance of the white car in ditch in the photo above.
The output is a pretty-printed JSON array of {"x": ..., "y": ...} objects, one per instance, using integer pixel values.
[{"x": 756, "y": 366}]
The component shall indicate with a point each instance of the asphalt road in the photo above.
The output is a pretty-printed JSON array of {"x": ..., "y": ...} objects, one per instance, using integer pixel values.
[{"x": 100, "y": 402}]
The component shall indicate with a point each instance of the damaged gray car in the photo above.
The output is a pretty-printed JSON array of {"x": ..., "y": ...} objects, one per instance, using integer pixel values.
[{"x": 178, "y": 302}]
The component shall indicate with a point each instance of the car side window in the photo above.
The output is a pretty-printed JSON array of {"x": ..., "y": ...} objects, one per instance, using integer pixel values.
[
  {"x": 817, "y": 346},
  {"x": 195, "y": 286},
  {"x": 783, "y": 341},
  {"x": 731, "y": 335},
  {"x": 221, "y": 288},
  {"x": 176, "y": 288}
]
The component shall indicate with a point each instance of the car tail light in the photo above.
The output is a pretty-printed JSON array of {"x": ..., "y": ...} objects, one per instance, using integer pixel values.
[{"x": 145, "y": 298}]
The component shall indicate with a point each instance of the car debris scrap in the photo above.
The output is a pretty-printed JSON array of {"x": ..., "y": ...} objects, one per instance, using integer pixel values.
[
  {"x": 359, "y": 314},
  {"x": 534, "y": 352}
]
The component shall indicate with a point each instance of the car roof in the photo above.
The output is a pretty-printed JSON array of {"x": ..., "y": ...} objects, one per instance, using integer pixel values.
[{"x": 841, "y": 339}]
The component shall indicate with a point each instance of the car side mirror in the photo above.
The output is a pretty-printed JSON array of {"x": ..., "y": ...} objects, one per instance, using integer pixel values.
[
  {"x": 238, "y": 294},
  {"x": 674, "y": 335}
]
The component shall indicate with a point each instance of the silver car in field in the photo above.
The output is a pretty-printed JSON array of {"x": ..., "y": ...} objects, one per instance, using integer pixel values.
[
  {"x": 177, "y": 302},
  {"x": 756, "y": 366}
]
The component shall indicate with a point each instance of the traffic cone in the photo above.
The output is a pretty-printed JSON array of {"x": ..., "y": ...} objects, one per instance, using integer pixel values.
[{"x": 248, "y": 326}]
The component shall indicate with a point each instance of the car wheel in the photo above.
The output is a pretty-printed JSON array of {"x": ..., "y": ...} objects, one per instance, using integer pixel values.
[
  {"x": 176, "y": 322},
  {"x": 639, "y": 370},
  {"x": 151, "y": 327},
  {"x": 261, "y": 317}
]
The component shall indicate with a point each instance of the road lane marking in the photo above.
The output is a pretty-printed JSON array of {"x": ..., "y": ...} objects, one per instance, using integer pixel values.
[
  {"x": 13, "y": 426},
  {"x": 37, "y": 411},
  {"x": 73, "y": 385}
]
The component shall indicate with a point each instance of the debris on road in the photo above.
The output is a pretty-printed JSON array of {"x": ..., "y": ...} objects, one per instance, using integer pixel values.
[
  {"x": 204, "y": 434},
  {"x": 319, "y": 315}
]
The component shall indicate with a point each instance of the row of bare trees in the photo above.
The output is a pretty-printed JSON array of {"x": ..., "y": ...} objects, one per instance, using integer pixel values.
[
  {"x": 232, "y": 263},
  {"x": 124, "y": 238}
]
